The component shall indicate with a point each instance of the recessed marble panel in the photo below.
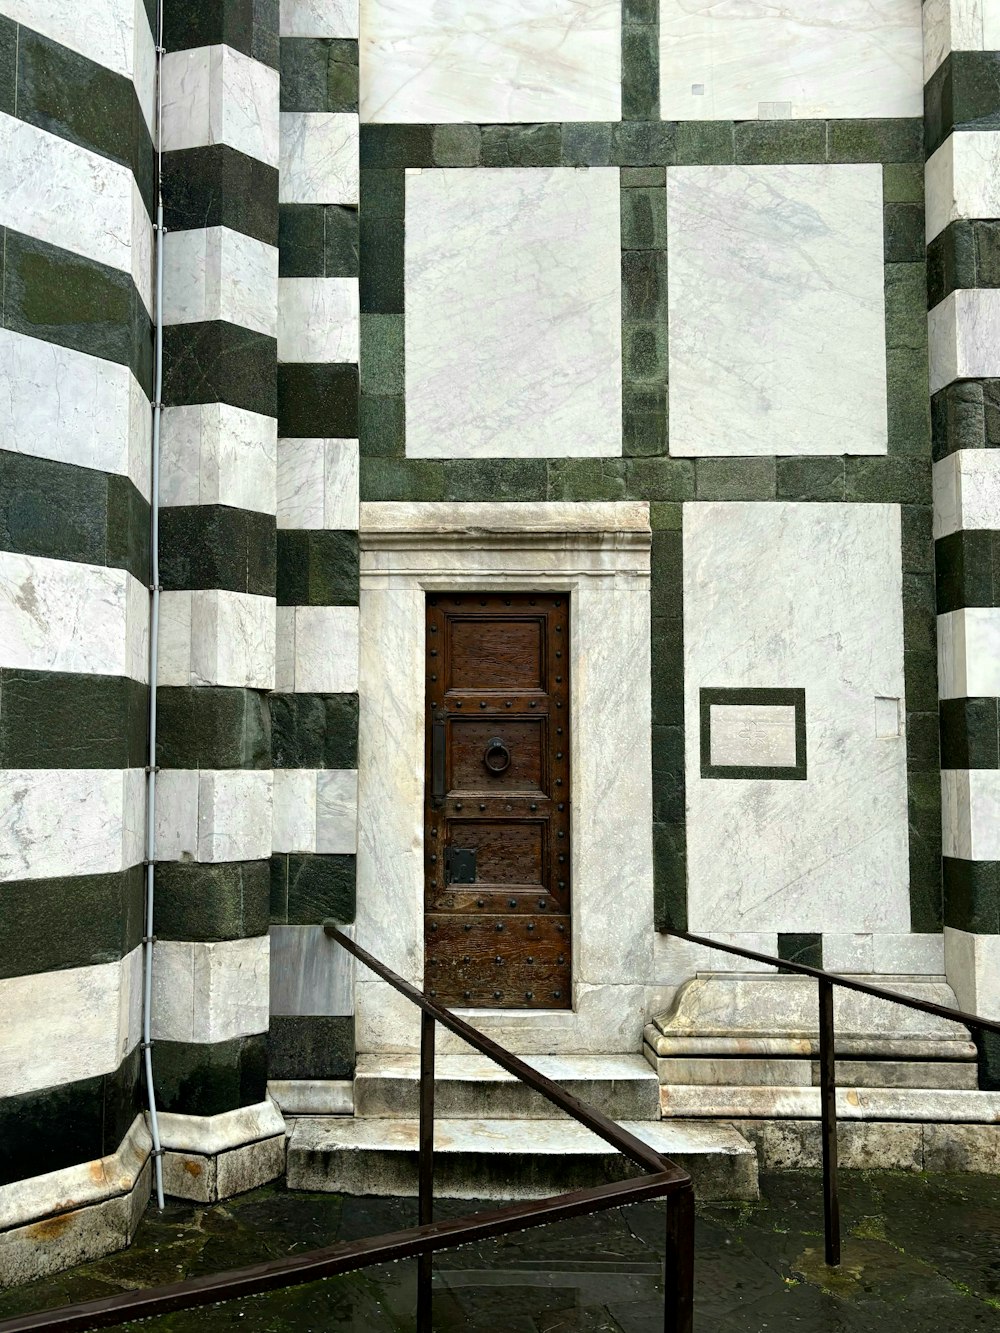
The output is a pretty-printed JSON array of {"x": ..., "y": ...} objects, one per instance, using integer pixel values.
[
  {"x": 309, "y": 973},
  {"x": 319, "y": 18},
  {"x": 970, "y": 813},
  {"x": 67, "y": 195},
  {"x": 969, "y": 653},
  {"x": 835, "y": 60},
  {"x": 470, "y": 60},
  {"x": 78, "y": 821},
  {"x": 513, "y": 313},
  {"x": 337, "y": 812},
  {"x": 776, "y": 310},
  {"x": 319, "y": 158},
  {"x": 208, "y": 992},
  {"x": 752, "y": 735},
  {"x": 967, "y": 491},
  {"x": 318, "y": 319},
  {"x": 216, "y": 94},
  {"x": 44, "y": 603},
  {"x": 798, "y": 856},
  {"x": 218, "y": 273},
  {"x": 963, "y": 333},
  {"x": 76, "y": 1023},
  {"x": 217, "y": 454},
  {"x": 61, "y": 404},
  {"x": 962, "y": 179}
]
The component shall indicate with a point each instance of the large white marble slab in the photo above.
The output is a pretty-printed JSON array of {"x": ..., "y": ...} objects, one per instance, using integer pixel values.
[
  {"x": 967, "y": 491},
  {"x": 969, "y": 653},
  {"x": 207, "y": 992},
  {"x": 962, "y": 179},
  {"x": 963, "y": 334},
  {"x": 318, "y": 484},
  {"x": 217, "y": 454},
  {"x": 58, "y": 615},
  {"x": 798, "y": 596},
  {"x": 74, "y": 1023},
  {"x": 798, "y": 59},
  {"x": 318, "y": 319},
  {"x": 76, "y": 821},
  {"x": 513, "y": 313},
  {"x": 470, "y": 60},
  {"x": 319, "y": 18},
  {"x": 776, "y": 310},
  {"x": 319, "y": 158},
  {"x": 216, "y": 94},
  {"x": 218, "y": 273}
]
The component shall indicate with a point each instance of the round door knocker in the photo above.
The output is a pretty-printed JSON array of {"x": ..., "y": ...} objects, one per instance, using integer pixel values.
[{"x": 496, "y": 756}]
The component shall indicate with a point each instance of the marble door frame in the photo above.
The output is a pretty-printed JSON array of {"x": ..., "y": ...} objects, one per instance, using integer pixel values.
[{"x": 600, "y": 555}]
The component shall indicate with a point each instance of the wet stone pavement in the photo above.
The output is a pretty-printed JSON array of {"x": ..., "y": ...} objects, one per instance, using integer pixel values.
[{"x": 921, "y": 1253}]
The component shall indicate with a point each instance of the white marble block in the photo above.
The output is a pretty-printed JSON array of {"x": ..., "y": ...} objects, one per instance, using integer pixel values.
[
  {"x": 337, "y": 811},
  {"x": 776, "y": 310},
  {"x": 318, "y": 484},
  {"x": 310, "y": 974},
  {"x": 969, "y": 653},
  {"x": 217, "y": 454},
  {"x": 466, "y": 60},
  {"x": 213, "y": 815},
  {"x": 218, "y": 273},
  {"x": 317, "y": 649},
  {"x": 973, "y": 967},
  {"x": 216, "y": 94},
  {"x": 71, "y": 1024},
  {"x": 798, "y": 596},
  {"x": 214, "y": 636},
  {"x": 963, "y": 334},
  {"x": 74, "y": 408},
  {"x": 319, "y": 18},
  {"x": 318, "y": 319},
  {"x": 319, "y": 158},
  {"x": 44, "y": 603},
  {"x": 835, "y": 59},
  {"x": 513, "y": 313},
  {"x": 75, "y": 821},
  {"x": 958, "y": 25},
  {"x": 962, "y": 179},
  {"x": 206, "y": 992},
  {"x": 967, "y": 491},
  {"x": 970, "y": 813},
  {"x": 293, "y": 827}
]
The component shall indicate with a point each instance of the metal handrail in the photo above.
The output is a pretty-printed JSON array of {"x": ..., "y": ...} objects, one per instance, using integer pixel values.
[
  {"x": 663, "y": 1178},
  {"x": 827, "y": 1057}
]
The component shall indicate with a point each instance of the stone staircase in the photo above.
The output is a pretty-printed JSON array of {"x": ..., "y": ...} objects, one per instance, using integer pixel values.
[{"x": 497, "y": 1139}]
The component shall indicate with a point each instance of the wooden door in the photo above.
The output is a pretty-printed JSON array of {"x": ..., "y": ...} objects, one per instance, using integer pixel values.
[{"x": 497, "y": 804}]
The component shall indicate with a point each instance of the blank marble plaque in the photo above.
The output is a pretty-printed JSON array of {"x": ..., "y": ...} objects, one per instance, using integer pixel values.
[
  {"x": 513, "y": 313},
  {"x": 490, "y": 61},
  {"x": 776, "y": 310},
  {"x": 835, "y": 59},
  {"x": 752, "y": 736}
]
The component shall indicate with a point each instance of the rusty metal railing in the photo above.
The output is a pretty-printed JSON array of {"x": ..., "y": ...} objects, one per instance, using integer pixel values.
[
  {"x": 663, "y": 1178},
  {"x": 827, "y": 1058}
]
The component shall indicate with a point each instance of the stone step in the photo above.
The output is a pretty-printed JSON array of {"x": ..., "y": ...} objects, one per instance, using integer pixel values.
[
  {"x": 788, "y": 1072},
  {"x": 468, "y": 1086},
  {"x": 506, "y": 1159},
  {"x": 902, "y": 1104}
]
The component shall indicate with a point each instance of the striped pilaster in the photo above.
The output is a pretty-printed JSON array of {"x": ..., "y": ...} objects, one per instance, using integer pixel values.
[
  {"x": 76, "y": 172},
  {"x": 962, "y": 113},
  {"x": 217, "y": 570},
  {"x": 315, "y": 710}
]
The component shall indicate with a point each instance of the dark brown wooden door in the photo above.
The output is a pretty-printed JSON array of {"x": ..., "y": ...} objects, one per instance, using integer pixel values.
[{"x": 497, "y": 861}]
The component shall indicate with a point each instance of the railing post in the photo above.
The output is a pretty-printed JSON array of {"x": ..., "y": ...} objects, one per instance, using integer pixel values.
[
  {"x": 678, "y": 1268},
  {"x": 828, "y": 1111},
  {"x": 425, "y": 1262}
]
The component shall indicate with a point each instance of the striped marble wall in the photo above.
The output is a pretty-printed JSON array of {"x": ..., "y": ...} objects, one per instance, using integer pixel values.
[
  {"x": 962, "y": 106},
  {"x": 76, "y": 187}
]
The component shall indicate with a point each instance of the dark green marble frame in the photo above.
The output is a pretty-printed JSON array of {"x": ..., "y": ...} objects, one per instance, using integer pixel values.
[{"x": 789, "y": 698}]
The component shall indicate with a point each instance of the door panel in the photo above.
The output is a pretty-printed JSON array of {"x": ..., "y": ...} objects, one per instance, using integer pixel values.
[{"x": 497, "y": 808}]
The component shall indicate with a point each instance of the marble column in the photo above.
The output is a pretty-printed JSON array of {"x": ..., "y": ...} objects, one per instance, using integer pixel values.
[{"x": 961, "y": 56}]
